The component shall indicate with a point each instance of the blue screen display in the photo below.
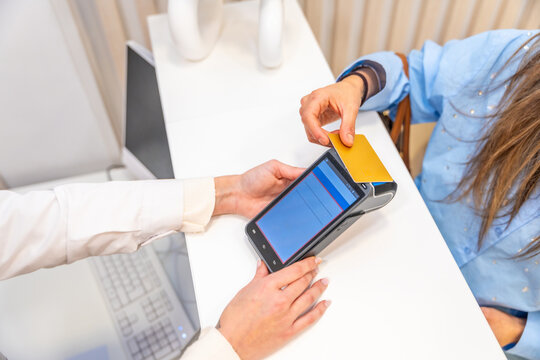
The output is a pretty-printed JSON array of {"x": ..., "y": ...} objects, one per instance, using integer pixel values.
[{"x": 309, "y": 207}]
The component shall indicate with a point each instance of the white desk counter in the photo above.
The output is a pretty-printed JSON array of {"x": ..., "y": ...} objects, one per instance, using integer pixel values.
[{"x": 396, "y": 291}]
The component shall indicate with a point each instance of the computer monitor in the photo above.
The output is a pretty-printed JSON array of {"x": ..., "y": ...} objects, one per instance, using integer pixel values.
[{"x": 148, "y": 154}]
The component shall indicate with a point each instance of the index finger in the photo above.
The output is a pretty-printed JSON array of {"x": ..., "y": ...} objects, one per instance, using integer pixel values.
[
  {"x": 310, "y": 112},
  {"x": 348, "y": 121},
  {"x": 295, "y": 271}
]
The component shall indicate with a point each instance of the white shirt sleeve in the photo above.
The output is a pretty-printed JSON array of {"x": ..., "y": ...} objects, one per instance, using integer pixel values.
[
  {"x": 211, "y": 345},
  {"x": 199, "y": 202},
  {"x": 49, "y": 228}
]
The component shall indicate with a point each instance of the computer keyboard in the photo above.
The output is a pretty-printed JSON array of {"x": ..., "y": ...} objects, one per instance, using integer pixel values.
[{"x": 150, "y": 320}]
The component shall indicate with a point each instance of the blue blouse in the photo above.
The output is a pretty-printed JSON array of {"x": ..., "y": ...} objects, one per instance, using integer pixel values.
[{"x": 455, "y": 85}]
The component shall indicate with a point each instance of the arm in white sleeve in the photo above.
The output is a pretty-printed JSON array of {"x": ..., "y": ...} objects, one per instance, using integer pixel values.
[
  {"x": 199, "y": 202},
  {"x": 49, "y": 228}
]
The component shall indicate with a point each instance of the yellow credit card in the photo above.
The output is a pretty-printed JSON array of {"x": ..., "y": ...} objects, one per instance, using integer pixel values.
[{"x": 361, "y": 160}]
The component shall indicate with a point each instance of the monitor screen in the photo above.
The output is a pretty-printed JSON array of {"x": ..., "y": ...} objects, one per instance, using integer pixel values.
[
  {"x": 306, "y": 210},
  {"x": 146, "y": 137}
]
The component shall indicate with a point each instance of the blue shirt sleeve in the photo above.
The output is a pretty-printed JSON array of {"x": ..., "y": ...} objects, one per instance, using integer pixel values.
[
  {"x": 528, "y": 345},
  {"x": 435, "y": 72},
  {"x": 423, "y": 69}
]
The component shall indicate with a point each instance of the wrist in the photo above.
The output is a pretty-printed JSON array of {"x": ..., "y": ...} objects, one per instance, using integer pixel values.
[
  {"x": 235, "y": 341},
  {"x": 226, "y": 194},
  {"x": 517, "y": 328},
  {"x": 356, "y": 83},
  {"x": 227, "y": 336}
]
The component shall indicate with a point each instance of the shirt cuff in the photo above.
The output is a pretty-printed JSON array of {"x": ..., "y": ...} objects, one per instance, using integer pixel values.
[
  {"x": 199, "y": 202},
  {"x": 389, "y": 68},
  {"x": 528, "y": 345},
  {"x": 211, "y": 345},
  {"x": 377, "y": 71},
  {"x": 161, "y": 206}
]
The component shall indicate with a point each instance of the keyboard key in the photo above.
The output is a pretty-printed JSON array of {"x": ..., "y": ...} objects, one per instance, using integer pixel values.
[
  {"x": 172, "y": 338},
  {"x": 148, "y": 284},
  {"x": 122, "y": 296},
  {"x": 115, "y": 303},
  {"x": 136, "y": 293},
  {"x": 146, "y": 353},
  {"x": 127, "y": 331},
  {"x": 133, "y": 346},
  {"x": 163, "y": 352}
]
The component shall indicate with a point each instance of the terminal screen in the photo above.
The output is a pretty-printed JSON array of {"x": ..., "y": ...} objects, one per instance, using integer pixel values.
[{"x": 306, "y": 210}]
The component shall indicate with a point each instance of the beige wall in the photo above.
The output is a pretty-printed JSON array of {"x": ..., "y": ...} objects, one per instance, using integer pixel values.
[{"x": 345, "y": 30}]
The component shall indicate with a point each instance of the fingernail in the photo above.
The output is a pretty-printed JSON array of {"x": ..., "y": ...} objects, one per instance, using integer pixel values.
[
  {"x": 321, "y": 141},
  {"x": 259, "y": 263},
  {"x": 316, "y": 271},
  {"x": 350, "y": 137},
  {"x": 318, "y": 260},
  {"x": 327, "y": 303},
  {"x": 325, "y": 281}
]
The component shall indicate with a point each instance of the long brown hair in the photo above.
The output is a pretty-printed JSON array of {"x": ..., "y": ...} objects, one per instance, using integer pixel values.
[{"x": 505, "y": 170}]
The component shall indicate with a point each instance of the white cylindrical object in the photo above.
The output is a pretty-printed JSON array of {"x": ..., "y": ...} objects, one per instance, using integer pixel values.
[
  {"x": 195, "y": 26},
  {"x": 271, "y": 19}
]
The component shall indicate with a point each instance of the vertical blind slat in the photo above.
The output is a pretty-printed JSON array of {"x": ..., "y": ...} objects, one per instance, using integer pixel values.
[
  {"x": 327, "y": 28},
  {"x": 403, "y": 28},
  {"x": 342, "y": 29},
  {"x": 531, "y": 18},
  {"x": 115, "y": 35},
  {"x": 357, "y": 24},
  {"x": 510, "y": 14},
  {"x": 431, "y": 24},
  {"x": 463, "y": 12},
  {"x": 376, "y": 24},
  {"x": 486, "y": 16},
  {"x": 145, "y": 8}
]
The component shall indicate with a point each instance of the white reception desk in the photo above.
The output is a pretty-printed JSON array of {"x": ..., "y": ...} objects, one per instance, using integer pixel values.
[{"x": 396, "y": 290}]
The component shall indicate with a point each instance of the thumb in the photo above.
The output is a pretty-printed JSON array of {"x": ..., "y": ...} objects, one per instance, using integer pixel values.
[
  {"x": 289, "y": 172},
  {"x": 262, "y": 270},
  {"x": 346, "y": 130}
]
